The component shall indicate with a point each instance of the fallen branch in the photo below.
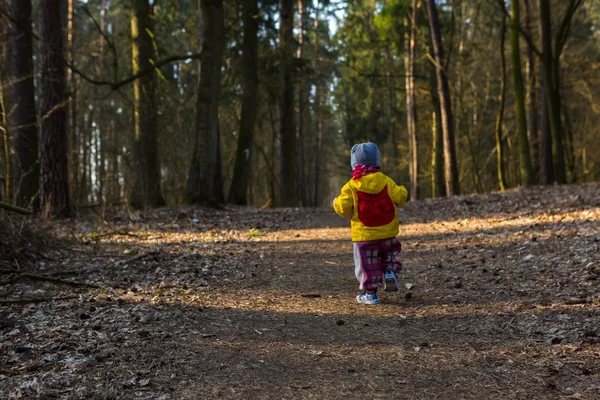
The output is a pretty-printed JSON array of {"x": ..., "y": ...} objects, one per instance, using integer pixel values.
[
  {"x": 35, "y": 300},
  {"x": 8, "y": 271},
  {"x": 136, "y": 258},
  {"x": 8, "y": 292},
  {"x": 67, "y": 272},
  {"x": 44, "y": 278},
  {"x": 15, "y": 209}
]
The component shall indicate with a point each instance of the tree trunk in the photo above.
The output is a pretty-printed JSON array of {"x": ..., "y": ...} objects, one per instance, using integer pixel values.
[
  {"x": 500, "y": 116},
  {"x": 526, "y": 171},
  {"x": 102, "y": 120},
  {"x": 551, "y": 78},
  {"x": 114, "y": 192},
  {"x": 204, "y": 172},
  {"x": 242, "y": 171},
  {"x": 54, "y": 172},
  {"x": 569, "y": 144},
  {"x": 302, "y": 101},
  {"x": 146, "y": 190},
  {"x": 5, "y": 191},
  {"x": 318, "y": 116},
  {"x": 318, "y": 146},
  {"x": 87, "y": 138},
  {"x": 5, "y": 56},
  {"x": 546, "y": 165},
  {"x": 26, "y": 167},
  {"x": 438, "y": 188},
  {"x": 450, "y": 163},
  {"x": 287, "y": 131},
  {"x": 411, "y": 106},
  {"x": 534, "y": 134},
  {"x": 74, "y": 146},
  {"x": 270, "y": 154},
  {"x": 218, "y": 196},
  {"x": 391, "y": 111}
]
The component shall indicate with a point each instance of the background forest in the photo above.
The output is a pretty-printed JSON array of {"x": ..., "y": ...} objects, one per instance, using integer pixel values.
[{"x": 144, "y": 103}]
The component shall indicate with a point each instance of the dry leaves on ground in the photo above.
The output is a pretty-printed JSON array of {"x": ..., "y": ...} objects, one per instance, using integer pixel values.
[{"x": 500, "y": 295}]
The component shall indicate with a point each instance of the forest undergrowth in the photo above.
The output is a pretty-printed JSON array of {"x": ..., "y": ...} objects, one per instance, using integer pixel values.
[{"x": 499, "y": 299}]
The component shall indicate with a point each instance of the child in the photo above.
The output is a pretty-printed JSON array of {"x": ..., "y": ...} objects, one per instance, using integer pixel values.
[{"x": 370, "y": 198}]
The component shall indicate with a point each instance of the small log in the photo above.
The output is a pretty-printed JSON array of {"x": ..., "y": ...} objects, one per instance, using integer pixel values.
[{"x": 15, "y": 209}]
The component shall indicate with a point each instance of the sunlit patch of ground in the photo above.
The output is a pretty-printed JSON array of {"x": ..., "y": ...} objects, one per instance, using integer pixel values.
[{"x": 499, "y": 298}]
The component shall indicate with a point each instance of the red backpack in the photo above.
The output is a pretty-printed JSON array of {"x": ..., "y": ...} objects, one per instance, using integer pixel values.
[{"x": 375, "y": 209}]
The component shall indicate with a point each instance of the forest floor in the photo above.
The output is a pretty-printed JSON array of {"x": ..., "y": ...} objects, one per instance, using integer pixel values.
[{"x": 500, "y": 299}]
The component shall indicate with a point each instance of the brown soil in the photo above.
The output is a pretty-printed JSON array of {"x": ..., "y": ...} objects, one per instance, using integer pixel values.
[{"x": 259, "y": 304}]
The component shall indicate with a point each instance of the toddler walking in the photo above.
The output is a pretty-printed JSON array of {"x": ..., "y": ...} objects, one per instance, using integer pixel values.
[{"x": 370, "y": 199}]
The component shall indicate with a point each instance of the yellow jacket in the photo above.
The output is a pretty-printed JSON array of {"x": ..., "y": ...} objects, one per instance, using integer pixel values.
[{"x": 346, "y": 205}]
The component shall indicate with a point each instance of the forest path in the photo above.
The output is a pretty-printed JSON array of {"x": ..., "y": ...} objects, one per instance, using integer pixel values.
[{"x": 259, "y": 304}]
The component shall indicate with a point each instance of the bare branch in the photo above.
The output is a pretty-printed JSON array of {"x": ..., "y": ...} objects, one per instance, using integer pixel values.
[
  {"x": 565, "y": 26},
  {"x": 114, "y": 85},
  {"x": 118, "y": 84},
  {"x": 527, "y": 38},
  {"x": 14, "y": 21},
  {"x": 111, "y": 44}
]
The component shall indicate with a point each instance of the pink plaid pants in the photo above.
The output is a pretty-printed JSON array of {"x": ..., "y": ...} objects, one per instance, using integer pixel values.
[{"x": 373, "y": 259}]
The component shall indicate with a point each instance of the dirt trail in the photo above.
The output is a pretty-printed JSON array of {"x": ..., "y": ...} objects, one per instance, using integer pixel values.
[{"x": 251, "y": 304}]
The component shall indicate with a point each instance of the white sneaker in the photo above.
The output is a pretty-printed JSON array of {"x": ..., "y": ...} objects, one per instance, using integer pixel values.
[
  {"x": 367, "y": 298},
  {"x": 391, "y": 282}
]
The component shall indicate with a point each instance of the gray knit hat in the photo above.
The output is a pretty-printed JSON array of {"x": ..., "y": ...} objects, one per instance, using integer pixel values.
[{"x": 366, "y": 154}]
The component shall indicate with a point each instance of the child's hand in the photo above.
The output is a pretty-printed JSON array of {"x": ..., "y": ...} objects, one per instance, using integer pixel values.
[{"x": 333, "y": 202}]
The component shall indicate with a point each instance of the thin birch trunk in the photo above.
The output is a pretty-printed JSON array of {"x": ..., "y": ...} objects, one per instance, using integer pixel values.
[
  {"x": 5, "y": 157},
  {"x": 318, "y": 105},
  {"x": 450, "y": 162},
  {"x": 411, "y": 107},
  {"x": 438, "y": 188},
  {"x": 74, "y": 140},
  {"x": 302, "y": 100},
  {"x": 102, "y": 125},
  {"x": 500, "y": 116}
]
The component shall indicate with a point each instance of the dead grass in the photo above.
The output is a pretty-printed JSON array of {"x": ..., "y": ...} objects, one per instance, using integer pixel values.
[{"x": 25, "y": 242}]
